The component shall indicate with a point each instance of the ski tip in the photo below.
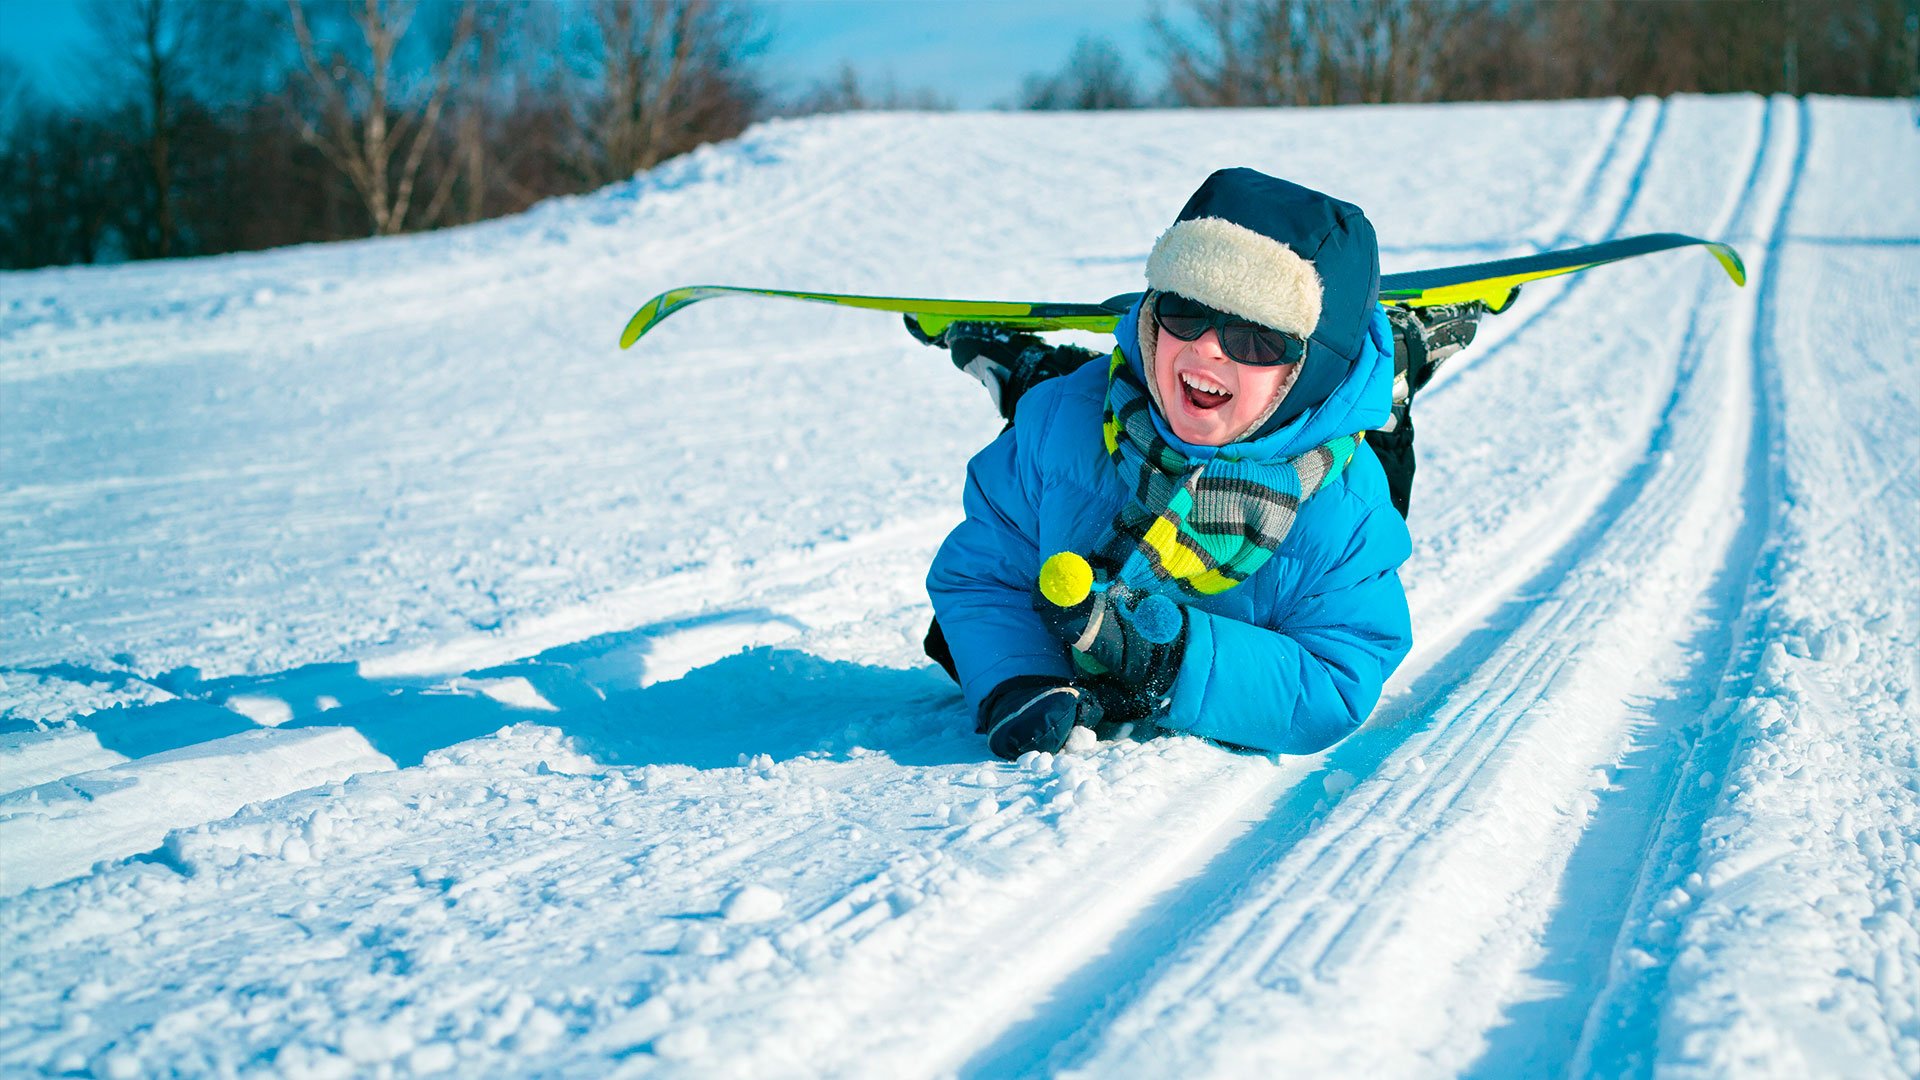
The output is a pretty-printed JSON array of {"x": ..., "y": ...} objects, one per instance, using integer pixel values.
[
  {"x": 1730, "y": 262},
  {"x": 641, "y": 322}
]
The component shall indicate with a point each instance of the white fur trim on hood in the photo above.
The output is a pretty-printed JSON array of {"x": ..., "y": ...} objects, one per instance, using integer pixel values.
[{"x": 1239, "y": 271}]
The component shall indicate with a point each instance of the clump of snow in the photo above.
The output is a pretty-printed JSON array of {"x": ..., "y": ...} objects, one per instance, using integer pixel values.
[
  {"x": 265, "y": 711},
  {"x": 700, "y": 941},
  {"x": 513, "y": 691},
  {"x": 751, "y": 903},
  {"x": 978, "y": 810},
  {"x": 44, "y": 699},
  {"x": 374, "y": 1044},
  {"x": 755, "y": 954},
  {"x": 1036, "y": 761},
  {"x": 682, "y": 1043},
  {"x": 430, "y": 1058},
  {"x": 1836, "y": 644}
]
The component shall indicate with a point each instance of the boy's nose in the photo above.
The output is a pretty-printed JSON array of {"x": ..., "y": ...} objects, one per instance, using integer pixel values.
[{"x": 1207, "y": 346}]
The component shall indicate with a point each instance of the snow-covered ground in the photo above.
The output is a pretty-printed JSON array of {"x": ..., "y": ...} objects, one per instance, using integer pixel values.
[{"x": 398, "y": 680}]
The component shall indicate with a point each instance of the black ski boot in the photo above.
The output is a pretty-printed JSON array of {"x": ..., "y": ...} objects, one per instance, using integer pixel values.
[
  {"x": 1423, "y": 339},
  {"x": 1006, "y": 362}
]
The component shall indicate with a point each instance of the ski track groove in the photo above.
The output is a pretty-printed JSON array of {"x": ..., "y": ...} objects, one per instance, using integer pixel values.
[
  {"x": 1553, "y": 532},
  {"x": 1314, "y": 943},
  {"x": 1618, "y": 1034},
  {"x": 1740, "y": 566},
  {"x": 1273, "y": 795},
  {"x": 1580, "y": 195},
  {"x": 1536, "y": 674},
  {"x": 1571, "y": 234},
  {"x": 1690, "y": 357}
]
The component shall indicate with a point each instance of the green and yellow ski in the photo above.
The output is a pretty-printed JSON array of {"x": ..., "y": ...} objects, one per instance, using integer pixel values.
[
  {"x": 1495, "y": 283},
  {"x": 933, "y": 315}
]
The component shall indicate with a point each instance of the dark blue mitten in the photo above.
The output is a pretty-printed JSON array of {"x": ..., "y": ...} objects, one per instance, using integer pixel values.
[{"x": 1035, "y": 712}]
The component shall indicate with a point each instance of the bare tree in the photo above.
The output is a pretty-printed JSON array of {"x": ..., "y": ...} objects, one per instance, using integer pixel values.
[
  {"x": 1202, "y": 72},
  {"x": 147, "y": 50},
  {"x": 364, "y": 114},
  {"x": 57, "y": 179},
  {"x": 654, "y": 78},
  {"x": 411, "y": 113},
  {"x": 16, "y": 93},
  {"x": 843, "y": 92},
  {"x": 1093, "y": 77},
  {"x": 1323, "y": 52},
  {"x": 475, "y": 105},
  {"x": 847, "y": 91},
  {"x": 476, "y": 95},
  {"x": 1246, "y": 52}
]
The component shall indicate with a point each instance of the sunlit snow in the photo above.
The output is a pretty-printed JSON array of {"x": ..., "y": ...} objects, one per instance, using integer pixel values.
[{"x": 397, "y": 679}]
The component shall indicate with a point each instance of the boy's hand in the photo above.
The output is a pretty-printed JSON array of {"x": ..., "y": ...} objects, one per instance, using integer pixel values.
[
  {"x": 1035, "y": 712},
  {"x": 1138, "y": 638}
]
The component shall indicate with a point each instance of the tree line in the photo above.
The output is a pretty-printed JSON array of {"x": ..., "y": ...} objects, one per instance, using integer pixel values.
[{"x": 246, "y": 124}]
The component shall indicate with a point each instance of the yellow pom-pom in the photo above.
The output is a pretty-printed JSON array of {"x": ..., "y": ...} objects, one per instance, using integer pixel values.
[{"x": 1066, "y": 579}]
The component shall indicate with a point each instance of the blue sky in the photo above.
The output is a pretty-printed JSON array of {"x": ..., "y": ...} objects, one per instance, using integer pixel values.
[{"x": 972, "y": 52}]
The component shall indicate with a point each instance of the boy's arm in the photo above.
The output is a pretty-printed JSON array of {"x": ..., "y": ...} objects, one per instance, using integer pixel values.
[
  {"x": 1307, "y": 683},
  {"x": 983, "y": 576}
]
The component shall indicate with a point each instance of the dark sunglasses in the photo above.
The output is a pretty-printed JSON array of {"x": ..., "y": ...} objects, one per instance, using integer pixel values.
[{"x": 1243, "y": 340}]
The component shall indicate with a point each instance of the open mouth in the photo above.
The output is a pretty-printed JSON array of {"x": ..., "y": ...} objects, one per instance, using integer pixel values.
[{"x": 1203, "y": 393}]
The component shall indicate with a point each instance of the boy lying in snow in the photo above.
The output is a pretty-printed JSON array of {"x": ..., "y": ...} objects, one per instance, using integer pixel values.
[{"x": 1197, "y": 532}]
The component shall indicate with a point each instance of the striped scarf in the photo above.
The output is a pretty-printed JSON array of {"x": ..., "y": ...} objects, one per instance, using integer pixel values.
[{"x": 1204, "y": 526}]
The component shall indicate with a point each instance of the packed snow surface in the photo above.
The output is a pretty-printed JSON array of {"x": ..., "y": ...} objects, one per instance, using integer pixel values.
[{"x": 399, "y": 680}]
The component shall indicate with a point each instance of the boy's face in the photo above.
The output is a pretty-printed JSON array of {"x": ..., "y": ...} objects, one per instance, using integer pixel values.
[{"x": 1209, "y": 400}]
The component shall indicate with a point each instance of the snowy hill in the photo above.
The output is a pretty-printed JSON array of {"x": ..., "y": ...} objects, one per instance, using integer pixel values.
[{"x": 398, "y": 677}]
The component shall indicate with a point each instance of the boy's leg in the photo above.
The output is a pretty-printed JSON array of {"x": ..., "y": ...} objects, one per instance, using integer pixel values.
[
  {"x": 1393, "y": 445},
  {"x": 1423, "y": 338},
  {"x": 936, "y": 648}
]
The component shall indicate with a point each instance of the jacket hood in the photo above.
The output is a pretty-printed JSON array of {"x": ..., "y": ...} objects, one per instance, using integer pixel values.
[{"x": 1284, "y": 256}]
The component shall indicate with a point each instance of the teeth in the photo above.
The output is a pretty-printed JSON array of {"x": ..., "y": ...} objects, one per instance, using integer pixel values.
[{"x": 1201, "y": 384}]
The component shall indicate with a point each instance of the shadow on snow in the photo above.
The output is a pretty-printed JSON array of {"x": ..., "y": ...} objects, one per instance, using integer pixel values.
[{"x": 780, "y": 702}]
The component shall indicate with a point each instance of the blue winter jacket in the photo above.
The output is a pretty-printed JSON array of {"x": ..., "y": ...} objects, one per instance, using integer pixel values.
[{"x": 1290, "y": 660}]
